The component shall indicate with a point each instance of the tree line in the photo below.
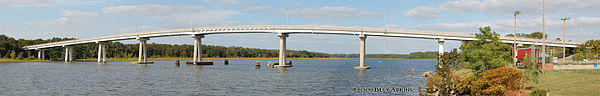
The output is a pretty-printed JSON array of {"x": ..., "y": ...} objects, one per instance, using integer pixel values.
[
  {"x": 12, "y": 48},
  {"x": 413, "y": 55}
]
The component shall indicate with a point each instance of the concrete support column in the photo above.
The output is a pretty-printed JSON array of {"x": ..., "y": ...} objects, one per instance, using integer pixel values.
[
  {"x": 43, "y": 54},
  {"x": 197, "y": 48},
  {"x": 141, "y": 48},
  {"x": 362, "y": 52},
  {"x": 70, "y": 54},
  {"x": 104, "y": 48},
  {"x": 143, "y": 51},
  {"x": 195, "y": 54},
  {"x": 100, "y": 51},
  {"x": 66, "y": 54},
  {"x": 282, "y": 49},
  {"x": 39, "y": 54},
  {"x": 441, "y": 46}
]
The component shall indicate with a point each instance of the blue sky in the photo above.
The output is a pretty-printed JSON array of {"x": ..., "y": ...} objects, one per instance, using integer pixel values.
[{"x": 32, "y": 19}]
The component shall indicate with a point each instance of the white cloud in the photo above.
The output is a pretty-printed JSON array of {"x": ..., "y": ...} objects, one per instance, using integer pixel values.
[
  {"x": 263, "y": 23},
  {"x": 204, "y": 18},
  {"x": 297, "y": 3},
  {"x": 192, "y": 8},
  {"x": 26, "y": 3},
  {"x": 579, "y": 29},
  {"x": 587, "y": 20},
  {"x": 234, "y": 2},
  {"x": 151, "y": 9},
  {"x": 527, "y": 7},
  {"x": 422, "y": 12},
  {"x": 71, "y": 13},
  {"x": 328, "y": 12},
  {"x": 62, "y": 26},
  {"x": 256, "y": 8}
]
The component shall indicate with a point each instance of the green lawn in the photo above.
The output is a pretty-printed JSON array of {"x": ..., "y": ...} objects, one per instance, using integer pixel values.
[{"x": 569, "y": 82}]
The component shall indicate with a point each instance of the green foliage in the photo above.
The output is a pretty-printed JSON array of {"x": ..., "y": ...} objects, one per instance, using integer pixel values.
[
  {"x": 413, "y": 55},
  {"x": 485, "y": 53},
  {"x": 463, "y": 85},
  {"x": 590, "y": 49},
  {"x": 445, "y": 65},
  {"x": 497, "y": 81},
  {"x": 534, "y": 35},
  {"x": 11, "y": 48},
  {"x": 538, "y": 92},
  {"x": 13, "y": 54},
  {"x": 531, "y": 72},
  {"x": 538, "y": 35}
]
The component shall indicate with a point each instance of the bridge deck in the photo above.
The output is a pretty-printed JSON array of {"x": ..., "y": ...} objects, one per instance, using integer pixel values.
[{"x": 298, "y": 30}]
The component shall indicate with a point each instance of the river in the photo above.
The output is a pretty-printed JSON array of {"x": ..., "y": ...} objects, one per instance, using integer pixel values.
[{"x": 240, "y": 77}]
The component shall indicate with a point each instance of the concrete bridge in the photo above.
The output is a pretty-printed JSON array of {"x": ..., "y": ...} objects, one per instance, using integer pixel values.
[{"x": 282, "y": 32}]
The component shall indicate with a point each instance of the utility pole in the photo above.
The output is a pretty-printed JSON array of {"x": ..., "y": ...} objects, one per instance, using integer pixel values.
[
  {"x": 515, "y": 40},
  {"x": 564, "y": 35},
  {"x": 543, "y": 37}
]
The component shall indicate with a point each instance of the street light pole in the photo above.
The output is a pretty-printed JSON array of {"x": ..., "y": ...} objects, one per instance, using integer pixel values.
[
  {"x": 565, "y": 35},
  {"x": 515, "y": 40}
]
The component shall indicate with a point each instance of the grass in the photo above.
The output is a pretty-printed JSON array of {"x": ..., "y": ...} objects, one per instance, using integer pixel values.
[
  {"x": 569, "y": 82},
  {"x": 175, "y": 58},
  {"x": 5, "y": 60}
]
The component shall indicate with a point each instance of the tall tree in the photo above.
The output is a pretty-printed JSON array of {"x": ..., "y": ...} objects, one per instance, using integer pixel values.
[{"x": 485, "y": 53}]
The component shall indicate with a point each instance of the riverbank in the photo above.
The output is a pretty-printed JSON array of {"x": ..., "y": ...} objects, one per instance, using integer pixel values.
[
  {"x": 211, "y": 58},
  {"x": 4, "y": 60},
  {"x": 404, "y": 58},
  {"x": 569, "y": 82}
]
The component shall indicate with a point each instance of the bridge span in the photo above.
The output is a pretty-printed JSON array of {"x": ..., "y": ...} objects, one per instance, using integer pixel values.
[{"x": 282, "y": 32}]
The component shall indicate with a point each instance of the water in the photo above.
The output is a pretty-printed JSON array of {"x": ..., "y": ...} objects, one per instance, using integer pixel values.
[{"x": 240, "y": 77}]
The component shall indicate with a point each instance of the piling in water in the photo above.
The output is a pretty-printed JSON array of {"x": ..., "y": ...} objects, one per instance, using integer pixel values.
[{"x": 257, "y": 66}]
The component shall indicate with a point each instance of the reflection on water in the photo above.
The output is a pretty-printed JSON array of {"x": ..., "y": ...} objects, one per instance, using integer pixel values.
[
  {"x": 361, "y": 74},
  {"x": 240, "y": 77}
]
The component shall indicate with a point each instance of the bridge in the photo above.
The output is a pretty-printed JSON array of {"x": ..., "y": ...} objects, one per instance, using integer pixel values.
[{"x": 282, "y": 32}]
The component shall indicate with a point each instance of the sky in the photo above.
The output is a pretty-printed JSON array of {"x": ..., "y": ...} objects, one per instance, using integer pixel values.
[{"x": 33, "y": 19}]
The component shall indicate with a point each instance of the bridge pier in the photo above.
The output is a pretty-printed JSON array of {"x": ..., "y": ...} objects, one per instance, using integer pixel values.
[
  {"x": 101, "y": 52},
  {"x": 197, "y": 60},
  {"x": 441, "y": 46},
  {"x": 282, "y": 49},
  {"x": 143, "y": 51},
  {"x": 41, "y": 54},
  {"x": 363, "y": 38},
  {"x": 68, "y": 53}
]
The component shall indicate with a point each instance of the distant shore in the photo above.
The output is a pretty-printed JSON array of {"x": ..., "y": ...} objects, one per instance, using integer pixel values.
[
  {"x": 4, "y": 60},
  {"x": 208, "y": 58}
]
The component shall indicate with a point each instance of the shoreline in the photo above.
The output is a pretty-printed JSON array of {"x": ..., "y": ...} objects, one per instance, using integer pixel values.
[
  {"x": 210, "y": 58},
  {"x": 4, "y": 60}
]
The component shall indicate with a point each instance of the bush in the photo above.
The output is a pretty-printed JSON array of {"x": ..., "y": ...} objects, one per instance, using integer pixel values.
[
  {"x": 497, "y": 81},
  {"x": 538, "y": 92},
  {"x": 531, "y": 72},
  {"x": 463, "y": 85}
]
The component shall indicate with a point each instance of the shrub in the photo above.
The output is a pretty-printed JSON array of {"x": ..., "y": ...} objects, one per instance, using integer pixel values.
[
  {"x": 497, "y": 81},
  {"x": 538, "y": 92},
  {"x": 463, "y": 85}
]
